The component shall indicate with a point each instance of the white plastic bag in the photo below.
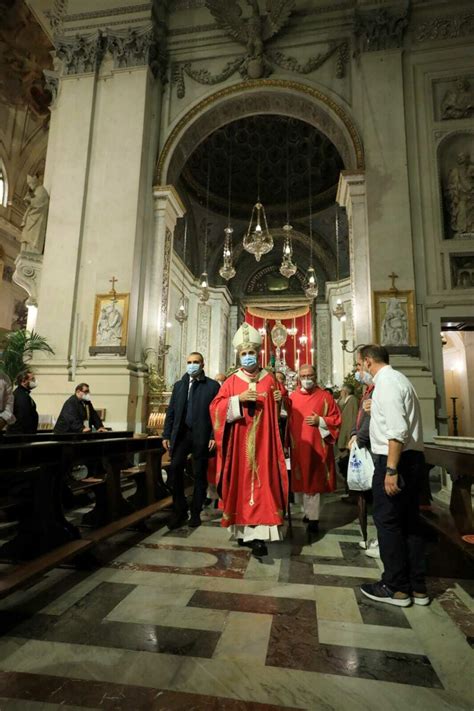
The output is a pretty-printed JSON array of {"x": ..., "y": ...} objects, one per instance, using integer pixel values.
[{"x": 360, "y": 470}]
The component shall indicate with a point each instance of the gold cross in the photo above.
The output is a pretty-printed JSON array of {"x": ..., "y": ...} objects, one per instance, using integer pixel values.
[
  {"x": 393, "y": 276},
  {"x": 113, "y": 282}
]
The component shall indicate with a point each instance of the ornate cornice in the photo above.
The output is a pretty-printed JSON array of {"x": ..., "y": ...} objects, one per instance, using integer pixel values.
[
  {"x": 251, "y": 85},
  {"x": 380, "y": 29},
  {"x": 81, "y": 54},
  {"x": 134, "y": 48},
  {"x": 448, "y": 27}
]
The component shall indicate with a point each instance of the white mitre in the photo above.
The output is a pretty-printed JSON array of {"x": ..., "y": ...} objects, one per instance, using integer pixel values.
[{"x": 247, "y": 337}]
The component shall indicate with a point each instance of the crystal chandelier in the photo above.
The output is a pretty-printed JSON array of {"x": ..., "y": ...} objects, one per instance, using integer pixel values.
[
  {"x": 303, "y": 339},
  {"x": 227, "y": 271},
  {"x": 288, "y": 267},
  {"x": 258, "y": 240},
  {"x": 181, "y": 314},
  {"x": 339, "y": 311},
  {"x": 311, "y": 283},
  {"x": 204, "y": 288}
]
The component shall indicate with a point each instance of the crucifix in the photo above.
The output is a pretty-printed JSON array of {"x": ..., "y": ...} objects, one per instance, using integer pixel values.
[
  {"x": 113, "y": 281},
  {"x": 393, "y": 276}
]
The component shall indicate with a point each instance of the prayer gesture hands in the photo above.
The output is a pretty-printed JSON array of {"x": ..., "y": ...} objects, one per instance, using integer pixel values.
[
  {"x": 249, "y": 395},
  {"x": 312, "y": 420}
]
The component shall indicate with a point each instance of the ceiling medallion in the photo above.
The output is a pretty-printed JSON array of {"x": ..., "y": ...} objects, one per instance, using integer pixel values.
[{"x": 258, "y": 240}]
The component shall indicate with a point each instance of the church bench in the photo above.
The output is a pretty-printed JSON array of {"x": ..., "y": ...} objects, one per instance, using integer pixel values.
[{"x": 45, "y": 534}]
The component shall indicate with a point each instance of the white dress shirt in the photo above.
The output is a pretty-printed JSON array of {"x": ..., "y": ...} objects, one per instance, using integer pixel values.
[{"x": 395, "y": 412}]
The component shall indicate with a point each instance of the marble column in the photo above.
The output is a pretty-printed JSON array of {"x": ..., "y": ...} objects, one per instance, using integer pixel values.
[
  {"x": 167, "y": 208},
  {"x": 351, "y": 194}
]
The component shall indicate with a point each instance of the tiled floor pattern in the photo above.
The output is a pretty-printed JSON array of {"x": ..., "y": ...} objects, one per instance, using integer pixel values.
[{"x": 187, "y": 620}]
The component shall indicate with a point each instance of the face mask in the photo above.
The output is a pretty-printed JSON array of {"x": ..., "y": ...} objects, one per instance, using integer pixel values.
[
  {"x": 248, "y": 361},
  {"x": 86, "y": 397},
  {"x": 193, "y": 368},
  {"x": 365, "y": 378},
  {"x": 32, "y": 384},
  {"x": 307, "y": 383}
]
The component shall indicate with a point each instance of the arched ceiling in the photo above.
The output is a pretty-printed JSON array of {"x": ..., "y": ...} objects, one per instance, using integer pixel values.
[{"x": 264, "y": 154}]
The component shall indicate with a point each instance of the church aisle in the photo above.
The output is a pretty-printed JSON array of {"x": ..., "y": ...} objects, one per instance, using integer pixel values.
[{"x": 187, "y": 620}]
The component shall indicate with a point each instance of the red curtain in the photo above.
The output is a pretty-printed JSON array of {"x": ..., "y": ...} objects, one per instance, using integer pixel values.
[{"x": 296, "y": 353}]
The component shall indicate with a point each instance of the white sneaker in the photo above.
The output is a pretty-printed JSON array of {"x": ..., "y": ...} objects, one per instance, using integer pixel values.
[
  {"x": 373, "y": 549},
  {"x": 363, "y": 545}
]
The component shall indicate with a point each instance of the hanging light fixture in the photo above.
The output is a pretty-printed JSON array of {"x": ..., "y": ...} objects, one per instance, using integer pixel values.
[
  {"x": 303, "y": 339},
  {"x": 227, "y": 271},
  {"x": 287, "y": 268},
  {"x": 339, "y": 311},
  {"x": 311, "y": 287},
  {"x": 258, "y": 240},
  {"x": 181, "y": 314},
  {"x": 203, "y": 279}
]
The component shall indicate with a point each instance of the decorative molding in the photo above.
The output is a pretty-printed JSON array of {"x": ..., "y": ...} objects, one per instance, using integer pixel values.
[
  {"x": 51, "y": 85},
  {"x": 165, "y": 292},
  {"x": 56, "y": 16},
  {"x": 129, "y": 9},
  {"x": 380, "y": 29},
  {"x": 27, "y": 274},
  {"x": 134, "y": 48},
  {"x": 80, "y": 54},
  {"x": 203, "y": 336},
  {"x": 202, "y": 76},
  {"x": 323, "y": 344},
  {"x": 291, "y": 64},
  {"x": 448, "y": 27},
  {"x": 244, "y": 89}
]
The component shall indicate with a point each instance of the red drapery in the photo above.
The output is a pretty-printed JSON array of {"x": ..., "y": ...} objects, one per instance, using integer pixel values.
[{"x": 294, "y": 350}]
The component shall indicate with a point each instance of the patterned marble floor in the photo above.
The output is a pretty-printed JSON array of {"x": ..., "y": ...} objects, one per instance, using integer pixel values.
[{"x": 187, "y": 620}]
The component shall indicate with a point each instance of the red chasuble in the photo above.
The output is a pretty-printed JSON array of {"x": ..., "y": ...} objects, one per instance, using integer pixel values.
[
  {"x": 252, "y": 479},
  {"x": 313, "y": 470}
]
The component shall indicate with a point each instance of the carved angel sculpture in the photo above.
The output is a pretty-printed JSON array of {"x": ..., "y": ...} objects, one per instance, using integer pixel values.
[{"x": 252, "y": 31}]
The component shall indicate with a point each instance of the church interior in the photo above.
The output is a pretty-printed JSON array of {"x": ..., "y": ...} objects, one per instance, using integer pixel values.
[{"x": 169, "y": 171}]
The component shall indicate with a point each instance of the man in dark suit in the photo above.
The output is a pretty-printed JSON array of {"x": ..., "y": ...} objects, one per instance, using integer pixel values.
[
  {"x": 78, "y": 414},
  {"x": 24, "y": 407},
  {"x": 188, "y": 430}
]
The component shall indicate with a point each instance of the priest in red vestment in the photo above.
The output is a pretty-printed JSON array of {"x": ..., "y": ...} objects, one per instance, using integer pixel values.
[
  {"x": 314, "y": 420},
  {"x": 252, "y": 480}
]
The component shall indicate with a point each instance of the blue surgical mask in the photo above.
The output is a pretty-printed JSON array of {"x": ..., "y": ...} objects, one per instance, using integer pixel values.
[
  {"x": 193, "y": 369},
  {"x": 248, "y": 361}
]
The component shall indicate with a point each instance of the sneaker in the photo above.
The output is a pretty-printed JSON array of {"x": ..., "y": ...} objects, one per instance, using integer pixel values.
[
  {"x": 373, "y": 550},
  {"x": 381, "y": 593},
  {"x": 363, "y": 545},
  {"x": 420, "y": 598}
]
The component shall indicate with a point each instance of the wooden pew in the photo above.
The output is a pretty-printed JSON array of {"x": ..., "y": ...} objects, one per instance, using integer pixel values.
[
  {"x": 44, "y": 532},
  {"x": 460, "y": 464}
]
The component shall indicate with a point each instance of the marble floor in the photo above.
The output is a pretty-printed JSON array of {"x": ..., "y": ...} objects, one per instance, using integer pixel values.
[{"x": 187, "y": 620}]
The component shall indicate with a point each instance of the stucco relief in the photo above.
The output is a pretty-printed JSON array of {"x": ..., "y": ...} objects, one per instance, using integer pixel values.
[
  {"x": 456, "y": 168},
  {"x": 203, "y": 330},
  {"x": 462, "y": 271},
  {"x": 323, "y": 346}
]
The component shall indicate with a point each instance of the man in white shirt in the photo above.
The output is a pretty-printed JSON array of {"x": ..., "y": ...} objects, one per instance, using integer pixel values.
[
  {"x": 396, "y": 437},
  {"x": 6, "y": 402}
]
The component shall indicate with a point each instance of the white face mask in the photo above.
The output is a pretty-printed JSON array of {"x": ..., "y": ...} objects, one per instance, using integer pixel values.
[
  {"x": 307, "y": 383},
  {"x": 86, "y": 397},
  {"x": 32, "y": 384}
]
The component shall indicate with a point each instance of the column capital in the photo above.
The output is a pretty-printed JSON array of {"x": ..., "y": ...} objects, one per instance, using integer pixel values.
[
  {"x": 166, "y": 197},
  {"x": 351, "y": 185}
]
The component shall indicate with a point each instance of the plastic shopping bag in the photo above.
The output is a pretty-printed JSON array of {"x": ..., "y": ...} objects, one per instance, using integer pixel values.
[{"x": 360, "y": 470}]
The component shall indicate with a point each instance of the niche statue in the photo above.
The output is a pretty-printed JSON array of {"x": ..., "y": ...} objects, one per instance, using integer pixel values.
[
  {"x": 460, "y": 196},
  {"x": 35, "y": 217}
]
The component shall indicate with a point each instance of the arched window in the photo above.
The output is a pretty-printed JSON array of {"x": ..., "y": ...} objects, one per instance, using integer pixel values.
[{"x": 3, "y": 186}]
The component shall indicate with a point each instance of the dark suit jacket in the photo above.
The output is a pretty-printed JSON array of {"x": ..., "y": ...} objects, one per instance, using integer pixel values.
[
  {"x": 205, "y": 392},
  {"x": 24, "y": 409},
  {"x": 74, "y": 413}
]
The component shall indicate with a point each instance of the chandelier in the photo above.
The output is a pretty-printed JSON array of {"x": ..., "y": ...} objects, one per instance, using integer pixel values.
[
  {"x": 303, "y": 339},
  {"x": 311, "y": 288},
  {"x": 339, "y": 311},
  {"x": 258, "y": 240},
  {"x": 181, "y": 314},
  {"x": 288, "y": 267},
  {"x": 227, "y": 270},
  {"x": 203, "y": 288}
]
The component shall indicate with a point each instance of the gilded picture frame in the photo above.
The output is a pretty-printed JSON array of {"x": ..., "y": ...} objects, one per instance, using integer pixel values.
[
  {"x": 110, "y": 325},
  {"x": 394, "y": 319}
]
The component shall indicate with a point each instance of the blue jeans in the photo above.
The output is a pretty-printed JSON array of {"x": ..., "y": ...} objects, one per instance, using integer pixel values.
[{"x": 398, "y": 524}]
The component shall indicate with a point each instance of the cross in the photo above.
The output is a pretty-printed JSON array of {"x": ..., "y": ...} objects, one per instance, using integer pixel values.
[
  {"x": 393, "y": 276},
  {"x": 113, "y": 281}
]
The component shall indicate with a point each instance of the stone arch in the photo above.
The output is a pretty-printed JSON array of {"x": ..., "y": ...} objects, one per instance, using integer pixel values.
[{"x": 264, "y": 96}]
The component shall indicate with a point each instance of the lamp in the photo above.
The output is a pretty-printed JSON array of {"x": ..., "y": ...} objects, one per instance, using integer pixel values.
[
  {"x": 181, "y": 314},
  {"x": 258, "y": 240},
  {"x": 288, "y": 267},
  {"x": 339, "y": 311},
  {"x": 227, "y": 270},
  {"x": 311, "y": 283}
]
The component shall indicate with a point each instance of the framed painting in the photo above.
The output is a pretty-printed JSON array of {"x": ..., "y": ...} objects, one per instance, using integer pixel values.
[
  {"x": 394, "y": 319},
  {"x": 110, "y": 326}
]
